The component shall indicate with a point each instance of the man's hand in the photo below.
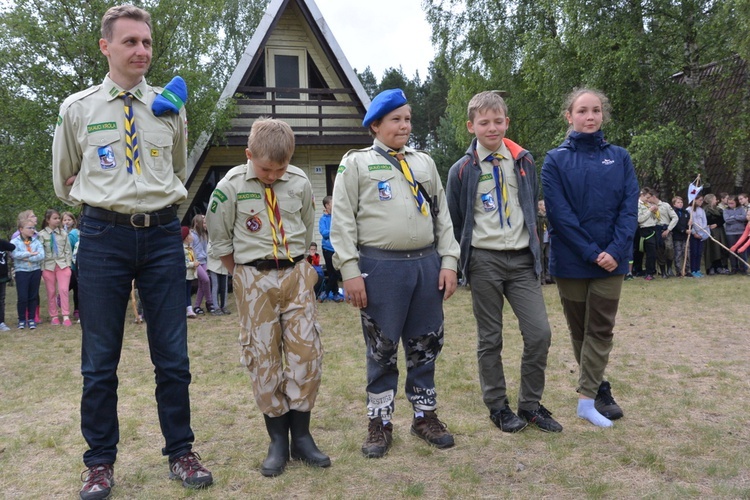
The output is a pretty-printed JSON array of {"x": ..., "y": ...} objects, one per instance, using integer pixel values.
[
  {"x": 71, "y": 180},
  {"x": 354, "y": 289}
]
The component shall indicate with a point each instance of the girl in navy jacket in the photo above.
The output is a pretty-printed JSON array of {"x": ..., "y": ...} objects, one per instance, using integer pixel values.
[{"x": 591, "y": 194}]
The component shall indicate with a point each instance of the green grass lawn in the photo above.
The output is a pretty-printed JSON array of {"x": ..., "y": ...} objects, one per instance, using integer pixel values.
[{"x": 680, "y": 369}]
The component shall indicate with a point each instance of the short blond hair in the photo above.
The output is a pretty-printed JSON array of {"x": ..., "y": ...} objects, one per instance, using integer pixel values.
[
  {"x": 271, "y": 140},
  {"x": 489, "y": 100},
  {"x": 122, "y": 11}
]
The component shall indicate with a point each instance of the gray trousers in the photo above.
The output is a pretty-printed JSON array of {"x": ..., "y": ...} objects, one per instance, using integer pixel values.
[
  {"x": 590, "y": 308},
  {"x": 495, "y": 276}
]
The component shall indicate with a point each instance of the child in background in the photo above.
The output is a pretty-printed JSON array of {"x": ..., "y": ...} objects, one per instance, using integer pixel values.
[
  {"x": 5, "y": 248},
  {"x": 743, "y": 244},
  {"x": 734, "y": 226},
  {"x": 313, "y": 257},
  {"x": 699, "y": 234},
  {"x": 28, "y": 256},
  {"x": 200, "y": 247},
  {"x": 58, "y": 257},
  {"x": 261, "y": 219},
  {"x": 191, "y": 265},
  {"x": 542, "y": 228},
  {"x": 331, "y": 291},
  {"x": 679, "y": 236},
  {"x": 71, "y": 226},
  {"x": 714, "y": 256},
  {"x": 218, "y": 274}
]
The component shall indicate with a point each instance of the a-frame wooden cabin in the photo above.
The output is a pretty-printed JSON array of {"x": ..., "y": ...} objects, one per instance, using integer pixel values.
[{"x": 292, "y": 69}]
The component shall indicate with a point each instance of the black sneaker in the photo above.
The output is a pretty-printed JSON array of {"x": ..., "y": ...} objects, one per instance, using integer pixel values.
[
  {"x": 605, "y": 403},
  {"x": 542, "y": 418},
  {"x": 189, "y": 469},
  {"x": 97, "y": 482},
  {"x": 506, "y": 420},
  {"x": 379, "y": 438},
  {"x": 432, "y": 430}
]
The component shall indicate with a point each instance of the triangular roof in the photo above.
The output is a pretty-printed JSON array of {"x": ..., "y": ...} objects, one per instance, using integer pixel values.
[{"x": 253, "y": 52}]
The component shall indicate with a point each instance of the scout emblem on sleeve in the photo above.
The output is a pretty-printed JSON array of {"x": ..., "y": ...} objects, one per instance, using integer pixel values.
[
  {"x": 253, "y": 224},
  {"x": 106, "y": 157},
  {"x": 384, "y": 190}
]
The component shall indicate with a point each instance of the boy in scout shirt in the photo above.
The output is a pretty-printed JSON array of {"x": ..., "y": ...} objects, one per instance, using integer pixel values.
[
  {"x": 492, "y": 196},
  {"x": 260, "y": 222},
  {"x": 397, "y": 255},
  {"x": 127, "y": 167}
]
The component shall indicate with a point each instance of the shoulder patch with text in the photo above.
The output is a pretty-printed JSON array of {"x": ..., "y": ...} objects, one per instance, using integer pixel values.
[
  {"x": 219, "y": 195},
  {"x": 341, "y": 169}
]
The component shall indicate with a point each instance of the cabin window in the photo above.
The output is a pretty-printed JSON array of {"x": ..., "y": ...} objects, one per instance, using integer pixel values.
[{"x": 287, "y": 67}]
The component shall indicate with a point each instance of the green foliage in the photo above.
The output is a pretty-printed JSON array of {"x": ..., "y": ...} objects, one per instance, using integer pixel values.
[
  {"x": 537, "y": 51},
  {"x": 666, "y": 155},
  {"x": 49, "y": 50}
]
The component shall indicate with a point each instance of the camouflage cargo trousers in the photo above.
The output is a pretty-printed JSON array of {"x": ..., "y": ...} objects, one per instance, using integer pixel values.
[{"x": 280, "y": 336}]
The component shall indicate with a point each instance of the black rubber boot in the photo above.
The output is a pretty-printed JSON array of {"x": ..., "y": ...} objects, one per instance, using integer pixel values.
[
  {"x": 303, "y": 445},
  {"x": 278, "y": 450}
]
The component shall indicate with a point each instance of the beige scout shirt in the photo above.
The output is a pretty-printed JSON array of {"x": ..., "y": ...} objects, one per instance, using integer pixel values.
[
  {"x": 237, "y": 216},
  {"x": 667, "y": 215},
  {"x": 64, "y": 255},
  {"x": 646, "y": 218},
  {"x": 487, "y": 233},
  {"x": 90, "y": 143},
  {"x": 373, "y": 206}
]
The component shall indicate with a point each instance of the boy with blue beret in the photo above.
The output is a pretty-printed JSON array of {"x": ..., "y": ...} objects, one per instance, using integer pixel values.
[{"x": 397, "y": 256}]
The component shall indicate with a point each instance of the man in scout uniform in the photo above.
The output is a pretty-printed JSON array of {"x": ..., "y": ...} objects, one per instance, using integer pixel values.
[
  {"x": 127, "y": 167},
  {"x": 397, "y": 255},
  {"x": 260, "y": 222}
]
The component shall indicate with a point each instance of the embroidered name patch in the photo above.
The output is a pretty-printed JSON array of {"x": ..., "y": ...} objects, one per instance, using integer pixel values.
[
  {"x": 248, "y": 196},
  {"x": 485, "y": 177},
  {"x": 98, "y": 127},
  {"x": 375, "y": 168}
]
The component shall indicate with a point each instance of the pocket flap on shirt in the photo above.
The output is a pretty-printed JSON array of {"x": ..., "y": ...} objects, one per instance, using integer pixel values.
[{"x": 103, "y": 138}]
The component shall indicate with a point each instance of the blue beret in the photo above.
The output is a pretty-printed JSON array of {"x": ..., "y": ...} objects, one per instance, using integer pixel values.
[
  {"x": 172, "y": 98},
  {"x": 384, "y": 103}
]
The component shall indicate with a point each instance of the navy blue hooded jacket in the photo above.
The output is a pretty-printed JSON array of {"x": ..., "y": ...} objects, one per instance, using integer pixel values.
[{"x": 591, "y": 196}]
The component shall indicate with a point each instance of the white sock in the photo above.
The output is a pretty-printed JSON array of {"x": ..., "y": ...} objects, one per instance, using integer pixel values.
[
  {"x": 587, "y": 411},
  {"x": 419, "y": 414}
]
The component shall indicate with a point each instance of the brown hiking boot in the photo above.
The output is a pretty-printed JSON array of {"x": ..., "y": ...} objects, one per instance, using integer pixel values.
[
  {"x": 379, "y": 438},
  {"x": 432, "y": 430}
]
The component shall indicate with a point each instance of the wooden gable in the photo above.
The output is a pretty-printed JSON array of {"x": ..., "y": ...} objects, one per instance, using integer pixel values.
[{"x": 293, "y": 70}]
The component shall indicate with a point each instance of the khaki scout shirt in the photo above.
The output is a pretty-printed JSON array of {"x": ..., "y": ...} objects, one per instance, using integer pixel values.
[
  {"x": 64, "y": 255},
  {"x": 488, "y": 206},
  {"x": 90, "y": 143},
  {"x": 373, "y": 206},
  {"x": 646, "y": 218},
  {"x": 667, "y": 216},
  {"x": 237, "y": 216}
]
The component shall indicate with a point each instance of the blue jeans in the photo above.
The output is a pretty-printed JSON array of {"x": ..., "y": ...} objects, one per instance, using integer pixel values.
[
  {"x": 27, "y": 286},
  {"x": 109, "y": 257}
]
